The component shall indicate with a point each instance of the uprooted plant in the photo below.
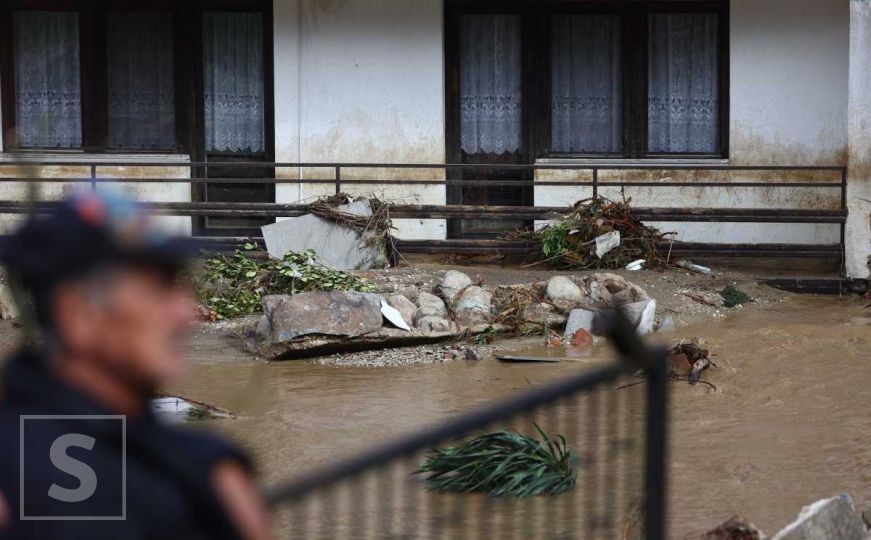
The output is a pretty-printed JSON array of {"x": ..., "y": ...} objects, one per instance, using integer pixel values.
[
  {"x": 503, "y": 464},
  {"x": 570, "y": 242},
  {"x": 234, "y": 285}
]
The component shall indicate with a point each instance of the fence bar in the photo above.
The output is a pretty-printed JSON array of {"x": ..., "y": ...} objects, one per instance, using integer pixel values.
[{"x": 338, "y": 179}]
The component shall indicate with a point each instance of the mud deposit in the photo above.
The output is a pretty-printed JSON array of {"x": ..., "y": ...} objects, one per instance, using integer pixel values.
[{"x": 789, "y": 423}]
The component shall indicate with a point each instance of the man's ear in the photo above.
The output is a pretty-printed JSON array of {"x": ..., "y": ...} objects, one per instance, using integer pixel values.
[{"x": 73, "y": 314}]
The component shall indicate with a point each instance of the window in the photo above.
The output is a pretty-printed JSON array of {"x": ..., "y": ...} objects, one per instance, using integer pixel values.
[
  {"x": 88, "y": 79},
  {"x": 611, "y": 79}
]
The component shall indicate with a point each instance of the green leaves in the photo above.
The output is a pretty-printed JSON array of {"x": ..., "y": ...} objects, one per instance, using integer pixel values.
[
  {"x": 733, "y": 296},
  {"x": 234, "y": 285},
  {"x": 503, "y": 464}
]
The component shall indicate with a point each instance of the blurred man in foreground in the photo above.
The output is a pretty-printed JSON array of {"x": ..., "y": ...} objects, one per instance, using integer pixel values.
[{"x": 112, "y": 319}]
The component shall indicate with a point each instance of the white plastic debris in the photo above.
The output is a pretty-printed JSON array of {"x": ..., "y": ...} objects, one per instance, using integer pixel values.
[
  {"x": 636, "y": 265},
  {"x": 695, "y": 267},
  {"x": 606, "y": 242},
  {"x": 393, "y": 316}
]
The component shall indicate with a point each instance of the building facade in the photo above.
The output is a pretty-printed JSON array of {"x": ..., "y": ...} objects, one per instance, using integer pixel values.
[{"x": 737, "y": 82}]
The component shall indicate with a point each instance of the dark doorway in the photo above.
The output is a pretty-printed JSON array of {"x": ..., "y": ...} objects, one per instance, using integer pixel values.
[{"x": 235, "y": 90}]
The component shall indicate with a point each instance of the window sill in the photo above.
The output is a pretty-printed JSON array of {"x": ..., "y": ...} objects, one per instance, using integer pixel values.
[
  {"x": 653, "y": 162},
  {"x": 48, "y": 157}
]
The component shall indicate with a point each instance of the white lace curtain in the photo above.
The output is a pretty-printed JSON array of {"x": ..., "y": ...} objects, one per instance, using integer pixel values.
[
  {"x": 233, "y": 81},
  {"x": 141, "y": 85},
  {"x": 490, "y": 112},
  {"x": 48, "y": 98},
  {"x": 586, "y": 84},
  {"x": 683, "y": 96}
]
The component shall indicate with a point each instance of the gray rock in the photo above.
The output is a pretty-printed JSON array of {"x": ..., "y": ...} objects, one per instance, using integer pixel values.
[
  {"x": 429, "y": 305},
  {"x": 563, "y": 292},
  {"x": 452, "y": 283},
  {"x": 604, "y": 289},
  {"x": 404, "y": 306},
  {"x": 436, "y": 324},
  {"x": 8, "y": 308},
  {"x": 827, "y": 519},
  {"x": 347, "y": 314},
  {"x": 543, "y": 313},
  {"x": 337, "y": 246},
  {"x": 580, "y": 319},
  {"x": 473, "y": 305},
  {"x": 642, "y": 315}
]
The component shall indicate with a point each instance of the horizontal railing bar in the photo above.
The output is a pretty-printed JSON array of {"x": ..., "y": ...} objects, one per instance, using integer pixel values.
[
  {"x": 423, "y": 182},
  {"x": 359, "y": 165}
]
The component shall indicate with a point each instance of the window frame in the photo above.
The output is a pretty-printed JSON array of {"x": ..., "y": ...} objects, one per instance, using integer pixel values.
[
  {"x": 93, "y": 15},
  {"x": 536, "y": 75}
]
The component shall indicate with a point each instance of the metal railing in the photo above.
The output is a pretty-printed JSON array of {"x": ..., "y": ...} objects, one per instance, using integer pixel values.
[
  {"x": 617, "y": 432},
  {"x": 371, "y": 176}
]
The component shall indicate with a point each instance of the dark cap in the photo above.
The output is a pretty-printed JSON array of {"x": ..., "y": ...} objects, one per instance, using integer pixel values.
[{"x": 85, "y": 232}]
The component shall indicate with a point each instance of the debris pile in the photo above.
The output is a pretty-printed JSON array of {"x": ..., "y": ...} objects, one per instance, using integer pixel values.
[
  {"x": 235, "y": 285},
  {"x": 598, "y": 234},
  {"x": 688, "y": 358},
  {"x": 734, "y": 528}
]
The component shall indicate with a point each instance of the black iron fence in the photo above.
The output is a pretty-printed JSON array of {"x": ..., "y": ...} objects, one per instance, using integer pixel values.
[
  {"x": 808, "y": 183},
  {"x": 614, "y": 425}
]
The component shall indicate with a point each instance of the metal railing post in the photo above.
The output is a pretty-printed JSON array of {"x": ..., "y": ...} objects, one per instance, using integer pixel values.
[
  {"x": 93, "y": 177},
  {"x": 595, "y": 182},
  {"x": 655, "y": 462},
  {"x": 338, "y": 179},
  {"x": 843, "y": 266}
]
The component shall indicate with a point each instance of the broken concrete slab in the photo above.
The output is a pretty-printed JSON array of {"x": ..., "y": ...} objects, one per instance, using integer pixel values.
[
  {"x": 642, "y": 315},
  {"x": 826, "y": 519},
  {"x": 580, "y": 319},
  {"x": 336, "y": 313},
  {"x": 393, "y": 316},
  {"x": 385, "y": 338},
  {"x": 337, "y": 246}
]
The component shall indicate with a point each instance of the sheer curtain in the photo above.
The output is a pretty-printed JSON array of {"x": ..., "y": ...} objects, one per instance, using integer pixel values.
[
  {"x": 233, "y": 82},
  {"x": 141, "y": 85},
  {"x": 683, "y": 95},
  {"x": 490, "y": 113},
  {"x": 48, "y": 98},
  {"x": 586, "y": 84}
]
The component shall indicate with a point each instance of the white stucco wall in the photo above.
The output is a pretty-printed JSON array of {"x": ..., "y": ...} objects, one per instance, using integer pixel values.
[
  {"x": 362, "y": 81},
  {"x": 858, "y": 244}
]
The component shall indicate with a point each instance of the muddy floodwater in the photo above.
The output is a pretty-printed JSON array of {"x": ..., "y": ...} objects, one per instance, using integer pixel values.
[{"x": 788, "y": 424}]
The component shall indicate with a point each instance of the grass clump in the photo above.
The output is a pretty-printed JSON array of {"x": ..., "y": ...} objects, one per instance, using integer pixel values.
[
  {"x": 234, "y": 285},
  {"x": 733, "y": 296},
  {"x": 503, "y": 464}
]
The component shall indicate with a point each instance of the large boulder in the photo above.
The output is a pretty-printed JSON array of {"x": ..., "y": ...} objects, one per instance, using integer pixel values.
[
  {"x": 404, "y": 306},
  {"x": 563, "y": 292},
  {"x": 429, "y": 305},
  {"x": 347, "y": 314},
  {"x": 452, "y": 283},
  {"x": 472, "y": 305},
  {"x": 827, "y": 519}
]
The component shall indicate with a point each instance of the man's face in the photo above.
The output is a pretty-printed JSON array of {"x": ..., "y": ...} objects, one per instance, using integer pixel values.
[{"x": 134, "y": 323}]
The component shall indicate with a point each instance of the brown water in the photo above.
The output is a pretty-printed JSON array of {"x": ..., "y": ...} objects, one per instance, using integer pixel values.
[{"x": 789, "y": 423}]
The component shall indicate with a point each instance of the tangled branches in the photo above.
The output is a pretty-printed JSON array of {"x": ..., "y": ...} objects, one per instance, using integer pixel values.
[{"x": 570, "y": 243}]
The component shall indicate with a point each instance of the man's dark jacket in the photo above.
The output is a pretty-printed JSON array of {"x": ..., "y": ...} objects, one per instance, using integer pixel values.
[{"x": 168, "y": 468}]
